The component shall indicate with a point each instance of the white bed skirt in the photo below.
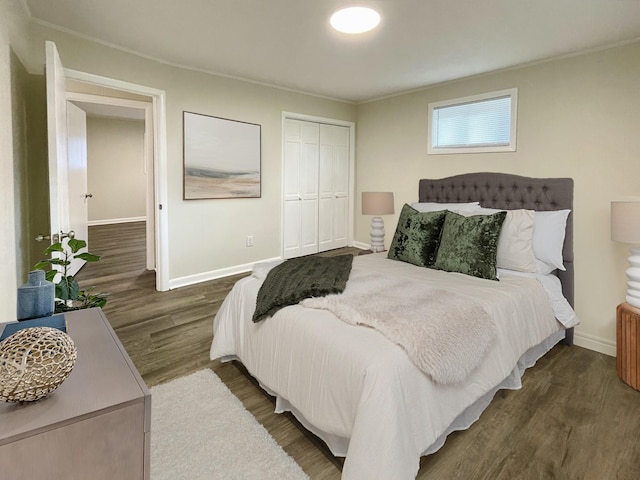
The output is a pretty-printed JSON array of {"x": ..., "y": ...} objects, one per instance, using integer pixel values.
[{"x": 339, "y": 445}]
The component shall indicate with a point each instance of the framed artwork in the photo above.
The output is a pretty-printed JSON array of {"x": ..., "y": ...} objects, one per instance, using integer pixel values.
[{"x": 221, "y": 157}]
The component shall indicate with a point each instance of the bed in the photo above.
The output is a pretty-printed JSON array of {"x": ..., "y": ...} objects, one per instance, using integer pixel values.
[{"x": 362, "y": 393}]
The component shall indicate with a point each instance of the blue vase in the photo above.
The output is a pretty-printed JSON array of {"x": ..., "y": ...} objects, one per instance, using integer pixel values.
[{"x": 36, "y": 297}]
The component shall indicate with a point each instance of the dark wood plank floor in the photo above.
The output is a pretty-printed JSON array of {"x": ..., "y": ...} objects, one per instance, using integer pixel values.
[{"x": 573, "y": 418}]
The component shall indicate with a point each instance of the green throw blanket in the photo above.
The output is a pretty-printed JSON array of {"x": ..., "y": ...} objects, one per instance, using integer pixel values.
[{"x": 298, "y": 278}]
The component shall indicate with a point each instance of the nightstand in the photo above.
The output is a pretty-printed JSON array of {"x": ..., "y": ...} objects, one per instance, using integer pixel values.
[
  {"x": 628, "y": 344},
  {"x": 96, "y": 425}
]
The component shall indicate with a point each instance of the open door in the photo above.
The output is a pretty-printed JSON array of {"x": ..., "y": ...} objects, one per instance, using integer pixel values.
[
  {"x": 79, "y": 197},
  {"x": 59, "y": 211}
]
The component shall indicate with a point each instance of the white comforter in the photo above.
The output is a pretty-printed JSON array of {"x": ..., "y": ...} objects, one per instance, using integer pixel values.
[{"x": 357, "y": 390}]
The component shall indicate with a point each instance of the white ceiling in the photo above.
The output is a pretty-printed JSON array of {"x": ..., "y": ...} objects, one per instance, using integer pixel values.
[{"x": 289, "y": 43}]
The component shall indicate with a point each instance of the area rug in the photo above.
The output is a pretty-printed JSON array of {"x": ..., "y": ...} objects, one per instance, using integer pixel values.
[{"x": 200, "y": 430}]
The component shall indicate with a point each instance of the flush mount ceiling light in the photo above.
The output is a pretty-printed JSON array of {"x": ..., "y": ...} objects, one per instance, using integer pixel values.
[{"x": 355, "y": 19}]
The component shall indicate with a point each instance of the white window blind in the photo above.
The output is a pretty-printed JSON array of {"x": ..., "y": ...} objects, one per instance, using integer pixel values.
[{"x": 471, "y": 124}]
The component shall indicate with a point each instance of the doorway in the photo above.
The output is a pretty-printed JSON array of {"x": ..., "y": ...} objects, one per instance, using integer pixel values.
[
  {"x": 120, "y": 167},
  {"x": 121, "y": 99}
]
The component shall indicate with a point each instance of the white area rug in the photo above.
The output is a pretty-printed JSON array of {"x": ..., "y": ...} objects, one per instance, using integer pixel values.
[{"x": 200, "y": 430}]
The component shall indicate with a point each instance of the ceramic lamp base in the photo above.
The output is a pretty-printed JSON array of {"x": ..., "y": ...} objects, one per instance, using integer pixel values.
[
  {"x": 377, "y": 234},
  {"x": 633, "y": 273}
]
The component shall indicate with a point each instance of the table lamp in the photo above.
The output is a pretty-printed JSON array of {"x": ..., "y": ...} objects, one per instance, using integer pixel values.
[
  {"x": 625, "y": 228},
  {"x": 377, "y": 203}
]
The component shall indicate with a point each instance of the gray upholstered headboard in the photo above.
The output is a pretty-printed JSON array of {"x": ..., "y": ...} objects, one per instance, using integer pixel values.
[{"x": 503, "y": 190}]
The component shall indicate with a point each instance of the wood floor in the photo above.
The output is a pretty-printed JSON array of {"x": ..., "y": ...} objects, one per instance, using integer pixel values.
[{"x": 573, "y": 418}]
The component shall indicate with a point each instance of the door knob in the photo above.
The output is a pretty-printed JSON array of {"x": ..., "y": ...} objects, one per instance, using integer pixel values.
[{"x": 58, "y": 237}]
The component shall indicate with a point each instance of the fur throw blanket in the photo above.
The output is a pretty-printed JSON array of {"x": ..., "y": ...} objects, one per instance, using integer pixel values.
[
  {"x": 297, "y": 278},
  {"x": 445, "y": 334}
]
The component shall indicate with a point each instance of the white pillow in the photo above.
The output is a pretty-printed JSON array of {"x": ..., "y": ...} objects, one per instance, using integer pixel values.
[
  {"x": 436, "y": 207},
  {"x": 549, "y": 229},
  {"x": 552, "y": 286},
  {"x": 515, "y": 245}
]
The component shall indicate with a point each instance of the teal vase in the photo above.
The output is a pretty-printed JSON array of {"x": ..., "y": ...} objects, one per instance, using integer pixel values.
[{"x": 36, "y": 297}]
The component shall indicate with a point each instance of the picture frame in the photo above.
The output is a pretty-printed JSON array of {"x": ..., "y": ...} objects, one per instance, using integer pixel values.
[{"x": 222, "y": 158}]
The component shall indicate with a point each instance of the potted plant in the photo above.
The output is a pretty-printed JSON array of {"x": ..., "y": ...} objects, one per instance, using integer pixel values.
[{"x": 67, "y": 291}]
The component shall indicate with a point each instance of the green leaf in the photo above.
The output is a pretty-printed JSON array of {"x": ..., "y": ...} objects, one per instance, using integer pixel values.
[
  {"x": 67, "y": 289},
  {"x": 47, "y": 262},
  {"x": 88, "y": 257},
  {"x": 54, "y": 247},
  {"x": 62, "y": 291},
  {"x": 58, "y": 261},
  {"x": 50, "y": 275},
  {"x": 99, "y": 302},
  {"x": 75, "y": 245}
]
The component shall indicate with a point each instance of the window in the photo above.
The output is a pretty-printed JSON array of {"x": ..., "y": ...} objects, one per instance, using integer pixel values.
[{"x": 481, "y": 123}]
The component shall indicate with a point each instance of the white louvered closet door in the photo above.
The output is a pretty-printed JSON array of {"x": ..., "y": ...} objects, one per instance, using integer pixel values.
[{"x": 316, "y": 187}]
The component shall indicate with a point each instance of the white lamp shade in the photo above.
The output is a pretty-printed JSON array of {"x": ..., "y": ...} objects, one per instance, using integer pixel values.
[
  {"x": 625, "y": 222},
  {"x": 377, "y": 203}
]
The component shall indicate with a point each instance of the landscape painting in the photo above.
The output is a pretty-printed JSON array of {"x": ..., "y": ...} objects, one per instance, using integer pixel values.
[{"x": 221, "y": 158}]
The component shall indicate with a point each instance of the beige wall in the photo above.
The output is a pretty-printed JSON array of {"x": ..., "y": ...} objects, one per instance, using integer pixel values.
[
  {"x": 577, "y": 117},
  {"x": 115, "y": 163},
  {"x": 12, "y": 152},
  {"x": 19, "y": 87},
  {"x": 204, "y": 235},
  {"x": 38, "y": 168}
]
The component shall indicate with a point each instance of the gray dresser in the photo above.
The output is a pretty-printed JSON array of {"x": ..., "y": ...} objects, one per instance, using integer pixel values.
[{"x": 96, "y": 425}]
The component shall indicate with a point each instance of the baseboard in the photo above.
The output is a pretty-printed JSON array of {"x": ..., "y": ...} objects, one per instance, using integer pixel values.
[
  {"x": 594, "y": 343},
  {"x": 111, "y": 221},
  {"x": 363, "y": 246},
  {"x": 215, "y": 274}
]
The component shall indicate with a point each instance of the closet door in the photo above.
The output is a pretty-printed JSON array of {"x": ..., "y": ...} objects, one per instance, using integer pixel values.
[
  {"x": 333, "y": 208},
  {"x": 300, "y": 210}
]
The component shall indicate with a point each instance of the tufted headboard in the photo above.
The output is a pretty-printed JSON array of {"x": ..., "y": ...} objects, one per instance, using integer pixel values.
[{"x": 510, "y": 192}]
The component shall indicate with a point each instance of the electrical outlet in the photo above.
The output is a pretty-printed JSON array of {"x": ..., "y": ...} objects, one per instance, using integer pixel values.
[{"x": 249, "y": 240}]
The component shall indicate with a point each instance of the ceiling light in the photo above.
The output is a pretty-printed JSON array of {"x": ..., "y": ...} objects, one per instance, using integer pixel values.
[{"x": 355, "y": 19}]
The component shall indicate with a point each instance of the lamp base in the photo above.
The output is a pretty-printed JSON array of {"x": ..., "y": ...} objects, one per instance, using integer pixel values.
[
  {"x": 633, "y": 273},
  {"x": 377, "y": 235}
]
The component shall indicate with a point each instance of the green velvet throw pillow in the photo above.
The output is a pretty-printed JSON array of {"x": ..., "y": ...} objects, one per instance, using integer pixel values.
[
  {"x": 417, "y": 236},
  {"x": 469, "y": 245},
  {"x": 400, "y": 237}
]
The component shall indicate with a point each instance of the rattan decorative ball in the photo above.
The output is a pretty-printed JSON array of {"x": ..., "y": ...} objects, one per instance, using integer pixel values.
[{"x": 34, "y": 362}]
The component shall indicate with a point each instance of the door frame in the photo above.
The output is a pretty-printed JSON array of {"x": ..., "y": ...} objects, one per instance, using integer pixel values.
[
  {"x": 352, "y": 166},
  {"x": 147, "y": 160},
  {"x": 159, "y": 201}
]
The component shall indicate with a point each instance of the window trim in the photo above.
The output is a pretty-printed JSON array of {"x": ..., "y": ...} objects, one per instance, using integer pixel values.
[{"x": 511, "y": 147}]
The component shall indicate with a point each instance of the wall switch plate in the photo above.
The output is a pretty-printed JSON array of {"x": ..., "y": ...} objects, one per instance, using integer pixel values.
[{"x": 249, "y": 240}]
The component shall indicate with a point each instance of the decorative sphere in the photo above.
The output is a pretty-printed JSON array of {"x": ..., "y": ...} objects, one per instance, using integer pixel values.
[{"x": 34, "y": 362}]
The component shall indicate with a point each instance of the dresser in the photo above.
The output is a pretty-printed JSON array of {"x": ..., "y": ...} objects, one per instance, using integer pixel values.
[{"x": 96, "y": 425}]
